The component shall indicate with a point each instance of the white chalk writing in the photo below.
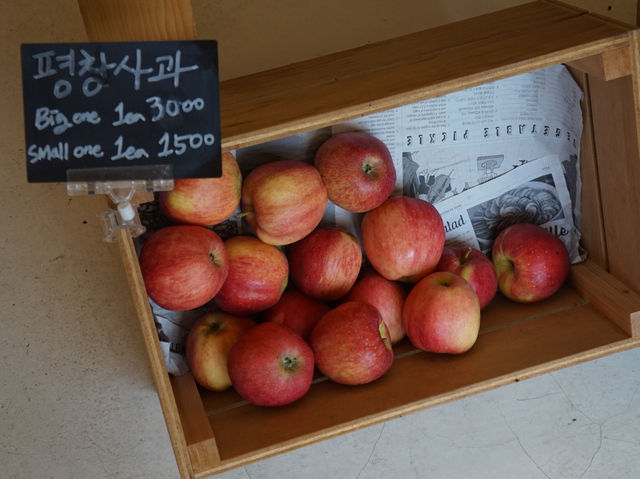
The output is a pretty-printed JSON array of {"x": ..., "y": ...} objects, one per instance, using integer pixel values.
[
  {"x": 104, "y": 103},
  {"x": 97, "y": 68}
]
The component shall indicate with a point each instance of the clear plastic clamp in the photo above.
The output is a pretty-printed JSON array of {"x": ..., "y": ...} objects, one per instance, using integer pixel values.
[{"x": 120, "y": 184}]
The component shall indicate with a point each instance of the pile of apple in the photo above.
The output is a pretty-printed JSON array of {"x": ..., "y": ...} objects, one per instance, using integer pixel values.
[{"x": 297, "y": 297}]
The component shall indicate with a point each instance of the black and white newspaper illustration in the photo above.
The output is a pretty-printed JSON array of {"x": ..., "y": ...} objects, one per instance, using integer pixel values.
[{"x": 448, "y": 146}]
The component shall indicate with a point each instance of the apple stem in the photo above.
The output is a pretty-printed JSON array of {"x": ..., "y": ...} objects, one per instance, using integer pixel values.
[
  {"x": 467, "y": 254},
  {"x": 289, "y": 362},
  {"x": 212, "y": 255},
  {"x": 367, "y": 168},
  {"x": 382, "y": 328}
]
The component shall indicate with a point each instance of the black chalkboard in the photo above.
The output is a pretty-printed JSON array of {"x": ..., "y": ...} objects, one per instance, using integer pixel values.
[{"x": 96, "y": 105}]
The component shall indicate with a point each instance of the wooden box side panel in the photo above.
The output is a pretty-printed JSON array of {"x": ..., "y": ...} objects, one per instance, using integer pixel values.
[
  {"x": 592, "y": 236},
  {"x": 327, "y": 90},
  {"x": 156, "y": 357},
  {"x": 614, "y": 109}
]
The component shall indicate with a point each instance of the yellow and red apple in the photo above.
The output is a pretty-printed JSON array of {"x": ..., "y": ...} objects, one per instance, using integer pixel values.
[
  {"x": 183, "y": 266},
  {"x": 388, "y": 298},
  {"x": 474, "y": 266},
  {"x": 283, "y": 201},
  {"x": 351, "y": 344},
  {"x": 208, "y": 344},
  {"x": 531, "y": 263},
  {"x": 258, "y": 275},
  {"x": 204, "y": 201},
  {"x": 270, "y": 365},
  {"x": 297, "y": 311},
  {"x": 403, "y": 238},
  {"x": 325, "y": 264},
  {"x": 357, "y": 169},
  {"x": 442, "y": 314}
]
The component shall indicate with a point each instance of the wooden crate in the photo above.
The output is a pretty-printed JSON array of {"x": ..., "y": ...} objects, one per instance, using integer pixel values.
[{"x": 596, "y": 313}]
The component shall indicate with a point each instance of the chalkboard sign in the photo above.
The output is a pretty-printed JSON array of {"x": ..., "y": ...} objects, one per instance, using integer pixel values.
[{"x": 96, "y": 105}]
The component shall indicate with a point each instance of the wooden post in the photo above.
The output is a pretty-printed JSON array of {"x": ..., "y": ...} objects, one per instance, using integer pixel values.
[{"x": 138, "y": 20}]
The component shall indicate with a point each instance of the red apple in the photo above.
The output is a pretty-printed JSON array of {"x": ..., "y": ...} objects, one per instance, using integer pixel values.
[
  {"x": 442, "y": 314},
  {"x": 357, "y": 169},
  {"x": 258, "y": 274},
  {"x": 474, "y": 266},
  {"x": 183, "y": 266},
  {"x": 204, "y": 201},
  {"x": 208, "y": 344},
  {"x": 388, "y": 298},
  {"x": 351, "y": 344},
  {"x": 297, "y": 311},
  {"x": 283, "y": 201},
  {"x": 403, "y": 238},
  {"x": 271, "y": 365},
  {"x": 326, "y": 263},
  {"x": 531, "y": 263}
]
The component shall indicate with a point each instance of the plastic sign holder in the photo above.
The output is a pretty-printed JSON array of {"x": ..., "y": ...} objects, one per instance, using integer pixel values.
[{"x": 120, "y": 185}]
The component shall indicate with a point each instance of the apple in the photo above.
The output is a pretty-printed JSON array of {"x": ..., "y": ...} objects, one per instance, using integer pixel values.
[
  {"x": 442, "y": 314},
  {"x": 357, "y": 169},
  {"x": 258, "y": 275},
  {"x": 283, "y": 201},
  {"x": 388, "y": 298},
  {"x": 204, "y": 201},
  {"x": 531, "y": 263},
  {"x": 474, "y": 266},
  {"x": 183, "y": 266},
  {"x": 351, "y": 344},
  {"x": 326, "y": 263},
  {"x": 271, "y": 365},
  {"x": 297, "y": 311},
  {"x": 403, "y": 238},
  {"x": 208, "y": 344}
]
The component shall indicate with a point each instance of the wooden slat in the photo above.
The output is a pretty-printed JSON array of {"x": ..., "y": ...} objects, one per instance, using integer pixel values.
[
  {"x": 201, "y": 444},
  {"x": 618, "y": 164},
  {"x": 500, "y": 356},
  {"x": 273, "y": 104},
  {"x": 609, "y": 295},
  {"x": 193, "y": 417},
  {"x": 591, "y": 224}
]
